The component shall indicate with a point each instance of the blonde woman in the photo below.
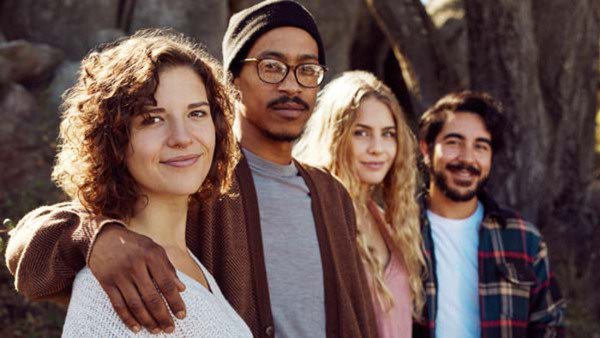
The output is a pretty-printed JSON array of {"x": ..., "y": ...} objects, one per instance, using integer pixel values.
[{"x": 359, "y": 134}]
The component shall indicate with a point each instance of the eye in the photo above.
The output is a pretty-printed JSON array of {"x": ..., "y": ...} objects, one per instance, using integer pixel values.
[
  {"x": 151, "y": 119},
  {"x": 309, "y": 70},
  {"x": 272, "y": 66},
  {"x": 360, "y": 133},
  {"x": 389, "y": 133},
  {"x": 482, "y": 146},
  {"x": 452, "y": 142},
  {"x": 197, "y": 114}
]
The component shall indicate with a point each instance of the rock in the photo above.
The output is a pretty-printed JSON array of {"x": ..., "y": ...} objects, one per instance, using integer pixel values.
[
  {"x": 67, "y": 24},
  {"x": 4, "y": 71},
  {"x": 28, "y": 62},
  {"x": 204, "y": 21},
  {"x": 64, "y": 78},
  {"x": 16, "y": 106},
  {"x": 449, "y": 18}
]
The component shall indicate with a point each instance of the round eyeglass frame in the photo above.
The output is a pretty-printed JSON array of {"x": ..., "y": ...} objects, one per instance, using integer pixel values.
[{"x": 287, "y": 71}]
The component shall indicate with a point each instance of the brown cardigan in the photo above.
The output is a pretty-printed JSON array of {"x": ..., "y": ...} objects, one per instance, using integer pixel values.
[{"x": 50, "y": 245}]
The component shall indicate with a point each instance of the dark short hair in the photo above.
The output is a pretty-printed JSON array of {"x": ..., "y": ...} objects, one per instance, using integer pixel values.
[
  {"x": 479, "y": 103},
  {"x": 115, "y": 82}
]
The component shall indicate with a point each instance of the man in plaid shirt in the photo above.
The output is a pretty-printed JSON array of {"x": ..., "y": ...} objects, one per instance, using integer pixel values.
[{"x": 489, "y": 274}]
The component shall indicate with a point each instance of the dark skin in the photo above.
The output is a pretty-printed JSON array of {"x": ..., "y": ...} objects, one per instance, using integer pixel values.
[{"x": 125, "y": 268}]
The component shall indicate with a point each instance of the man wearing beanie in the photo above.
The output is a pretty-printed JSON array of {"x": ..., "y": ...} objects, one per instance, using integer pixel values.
[{"x": 281, "y": 247}]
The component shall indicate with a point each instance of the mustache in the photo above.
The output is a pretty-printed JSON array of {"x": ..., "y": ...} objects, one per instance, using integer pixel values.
[
  {"x": 463, "y": 166},
  {"x": 287, "y": 99}
]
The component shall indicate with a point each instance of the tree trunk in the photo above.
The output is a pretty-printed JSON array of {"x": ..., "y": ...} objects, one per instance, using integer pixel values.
[
  {"x": 417, "y": 48},
  {"x": 539, "y": 58}
]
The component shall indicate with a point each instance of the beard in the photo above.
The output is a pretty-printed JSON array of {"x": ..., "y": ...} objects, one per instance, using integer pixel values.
[
  {"x": 281, "y": 137},
  {"x": 441, "y": 182}
]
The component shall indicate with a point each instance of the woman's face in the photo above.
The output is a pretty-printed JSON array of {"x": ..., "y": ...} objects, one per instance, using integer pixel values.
[
  {"x": 172, "y": 144},
  {"x": 373, "y": 141}
]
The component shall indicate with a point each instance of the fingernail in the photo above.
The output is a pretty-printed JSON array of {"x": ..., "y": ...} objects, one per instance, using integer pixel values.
[
  {"x": 155, "y": 331},
  {"x": 135, "y": 329},
  {"x": 169, "y": 329},
  {"x": 180, "y": 314}
]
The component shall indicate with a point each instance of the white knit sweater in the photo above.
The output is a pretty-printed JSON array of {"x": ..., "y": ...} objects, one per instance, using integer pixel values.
[{"x": 91, "y": 314}]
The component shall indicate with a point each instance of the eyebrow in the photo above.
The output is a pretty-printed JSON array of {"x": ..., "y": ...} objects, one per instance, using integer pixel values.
[
  {"x": 459, "y": 136},
  {"x": 281, "y": 56},
  {"x": 158, "y": 110},
  {"x": 369, "y": 127}
]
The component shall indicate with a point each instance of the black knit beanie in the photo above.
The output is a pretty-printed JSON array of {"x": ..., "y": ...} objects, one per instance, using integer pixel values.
[{"x": 246, "y": 26}]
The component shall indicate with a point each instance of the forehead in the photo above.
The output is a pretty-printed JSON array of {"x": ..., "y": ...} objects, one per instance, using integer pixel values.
[
  {"x": 374, "y": 113},
  {"x": 290, "y": 42},
  {"x": 179, "y": 83},
  {"x": 469, "y": 125}
]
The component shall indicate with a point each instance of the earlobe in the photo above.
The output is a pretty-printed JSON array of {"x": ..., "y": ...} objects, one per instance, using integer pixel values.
[{"x": 423, "y": 149}]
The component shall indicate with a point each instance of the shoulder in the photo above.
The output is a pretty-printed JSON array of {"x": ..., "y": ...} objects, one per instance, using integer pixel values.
[
  {"x": 517, "y": 231},
  {"x": 322, "y": 178},
  {"x": 90, "y": 311}
]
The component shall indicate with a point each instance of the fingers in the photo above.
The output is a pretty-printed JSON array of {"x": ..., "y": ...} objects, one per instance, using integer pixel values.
[
  {"x": 169, "y": 285},
  {"x": 154, "y": 303},
  {"x": 121, "y": 309}
]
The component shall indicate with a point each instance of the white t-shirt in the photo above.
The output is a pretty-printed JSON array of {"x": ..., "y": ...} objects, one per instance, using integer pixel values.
[{"x": 455, "y": 244}]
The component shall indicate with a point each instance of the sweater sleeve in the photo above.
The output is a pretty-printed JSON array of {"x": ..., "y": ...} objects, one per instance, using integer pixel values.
[{"x": 49, "y": 246}]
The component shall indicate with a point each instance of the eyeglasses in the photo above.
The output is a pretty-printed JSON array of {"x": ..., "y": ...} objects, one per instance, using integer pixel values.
[{"x": 272, "y": 71}]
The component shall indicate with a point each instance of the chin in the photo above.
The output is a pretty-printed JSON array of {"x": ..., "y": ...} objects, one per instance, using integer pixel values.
[{"x": 371, "y": 180}]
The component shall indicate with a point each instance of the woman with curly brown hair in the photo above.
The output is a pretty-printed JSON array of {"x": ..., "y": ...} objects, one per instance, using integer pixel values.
[
  {"x": 358, "y": 133},
  {"x": 146, "y": 130}
]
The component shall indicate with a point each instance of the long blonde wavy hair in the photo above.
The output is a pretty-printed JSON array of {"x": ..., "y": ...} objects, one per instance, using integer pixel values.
[{"x": 326, "y": 144}]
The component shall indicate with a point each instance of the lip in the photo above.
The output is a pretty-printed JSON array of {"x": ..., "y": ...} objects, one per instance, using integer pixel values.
[
  {"x": 289, "y": 110},
  {"x": 182, "y": 161},
  {"x": 464, "y": 174},
  {"x": 374, "y": 165}
]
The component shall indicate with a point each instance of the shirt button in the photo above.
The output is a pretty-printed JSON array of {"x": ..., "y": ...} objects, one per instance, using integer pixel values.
[{"x": 269, "y": 330}]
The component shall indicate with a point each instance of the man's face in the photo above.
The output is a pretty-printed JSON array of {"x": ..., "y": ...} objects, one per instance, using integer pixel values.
[
  {"x": 278, "y": 111},
  {"x": 461, "y": 157}
]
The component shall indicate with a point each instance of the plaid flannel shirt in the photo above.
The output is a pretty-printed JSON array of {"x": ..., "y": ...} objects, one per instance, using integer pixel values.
[{"x": 518, "y": 295}]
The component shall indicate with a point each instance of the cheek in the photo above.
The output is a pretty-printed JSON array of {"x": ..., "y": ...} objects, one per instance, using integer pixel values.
[
  {"x": 357, "y": 149},
  {"x": 391, "y": 148},
  {"x": 142, "y": 150}
]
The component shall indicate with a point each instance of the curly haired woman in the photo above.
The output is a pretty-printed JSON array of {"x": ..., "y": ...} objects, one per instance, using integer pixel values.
[
  {"x": 359, "y": 134},
  {"x": 145, "y": 130}
]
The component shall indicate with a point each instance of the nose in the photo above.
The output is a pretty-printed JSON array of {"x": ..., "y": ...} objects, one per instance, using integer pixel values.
[
  {"x": 179, "y": 136},
  {"x": 375, "y": 146},
  {"x": 290, "y": 85},
  {"x": 467, "y": 154}
]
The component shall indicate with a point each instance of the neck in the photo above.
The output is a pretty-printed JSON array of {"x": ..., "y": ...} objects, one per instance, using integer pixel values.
[
  {"x": 445, "y": 207},
  {"x": 364, "y": 217},
  {"x": 257, "y": 142},
  {"x": 162, "y": 219}
]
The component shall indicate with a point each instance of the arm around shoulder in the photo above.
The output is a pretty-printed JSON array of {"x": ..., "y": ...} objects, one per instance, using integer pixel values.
[{"x": 49, "y": 246}]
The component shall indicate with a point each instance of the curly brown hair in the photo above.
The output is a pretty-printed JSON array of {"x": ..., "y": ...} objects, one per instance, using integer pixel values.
[{"x": 115, "y": 82}]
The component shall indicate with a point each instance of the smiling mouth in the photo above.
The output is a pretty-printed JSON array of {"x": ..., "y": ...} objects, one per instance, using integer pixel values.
[
  {"x": 376, "y": 165},
  {"x": 181, "y": 161}
]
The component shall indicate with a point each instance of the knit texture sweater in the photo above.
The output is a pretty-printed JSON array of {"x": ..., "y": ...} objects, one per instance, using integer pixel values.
[{"x": 91, "y": 314}]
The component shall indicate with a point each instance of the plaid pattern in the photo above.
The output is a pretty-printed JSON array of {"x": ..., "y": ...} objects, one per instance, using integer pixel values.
[{"x": 518, "y": 295}]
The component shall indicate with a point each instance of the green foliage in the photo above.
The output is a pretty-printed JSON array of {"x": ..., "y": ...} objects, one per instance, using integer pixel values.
[{"x": 7, "y": 225}]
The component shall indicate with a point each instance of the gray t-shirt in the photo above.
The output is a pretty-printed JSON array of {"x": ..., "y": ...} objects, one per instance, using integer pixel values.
[{"x": 291, "y": 249}]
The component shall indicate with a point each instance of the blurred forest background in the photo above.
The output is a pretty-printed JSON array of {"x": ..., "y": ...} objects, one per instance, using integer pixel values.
[{"x": 539, "y": 57}]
